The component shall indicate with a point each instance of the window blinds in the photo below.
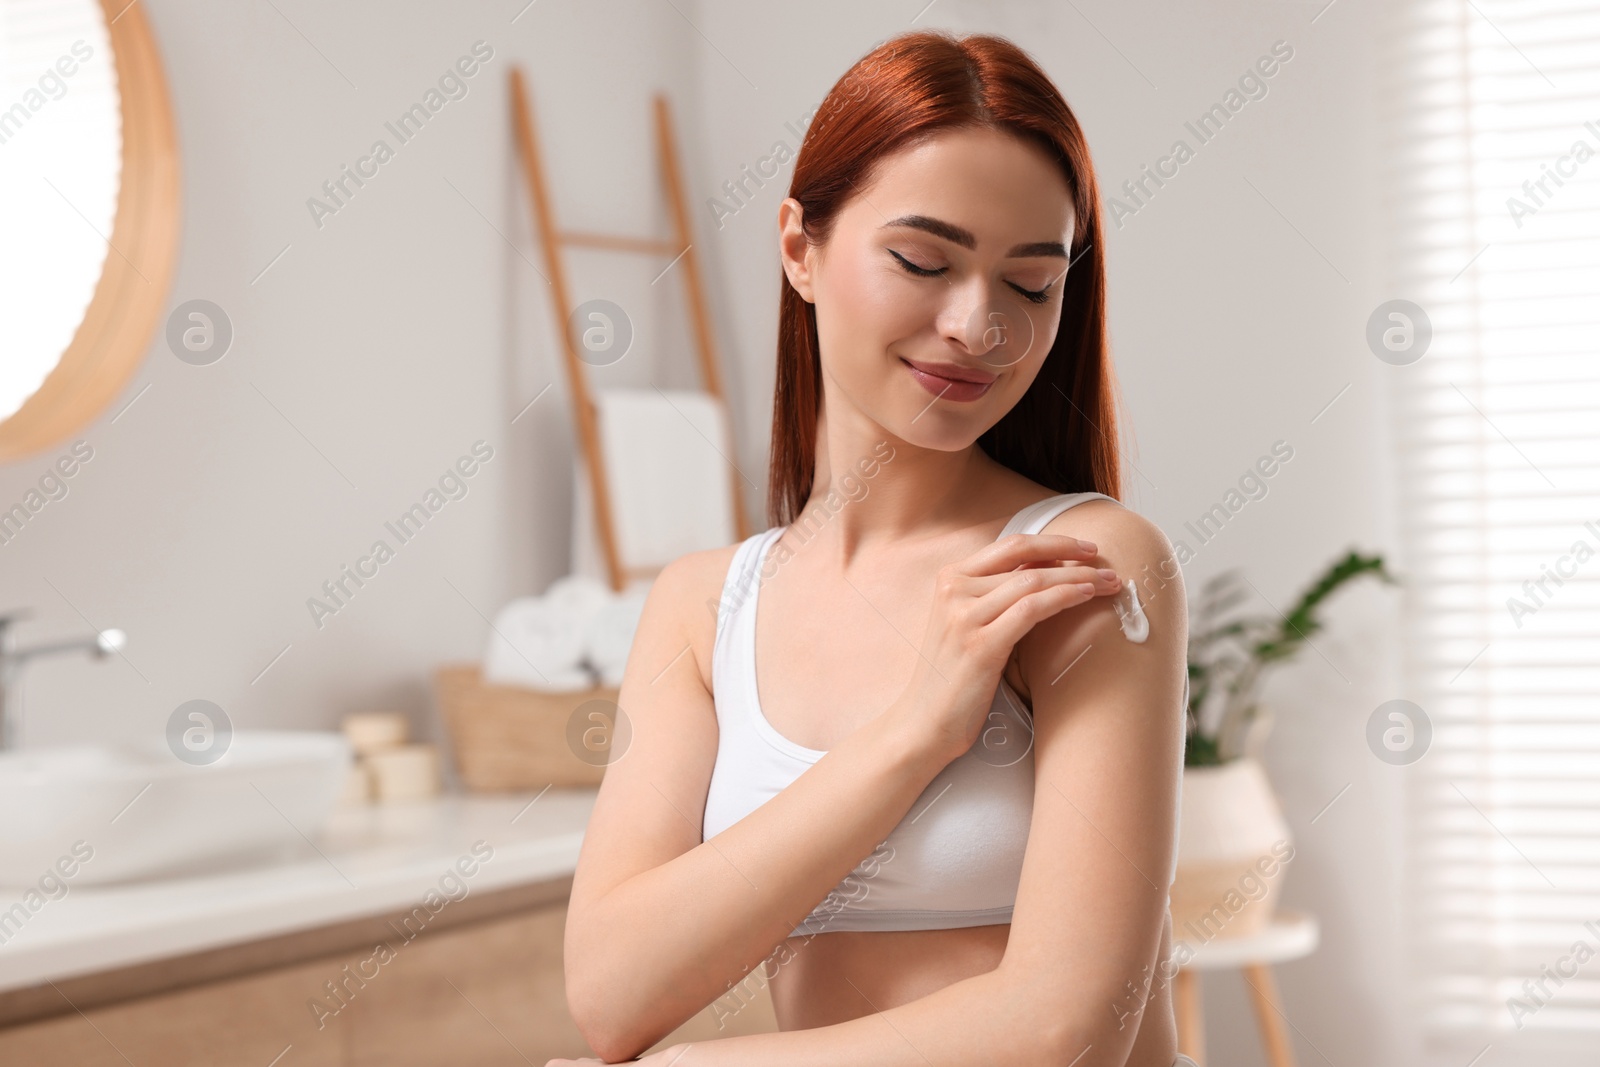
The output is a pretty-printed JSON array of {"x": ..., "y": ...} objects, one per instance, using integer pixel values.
[{"x": 1493, "y": 185}]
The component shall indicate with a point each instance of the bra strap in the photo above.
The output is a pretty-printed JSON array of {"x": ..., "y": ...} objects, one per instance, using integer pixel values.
[{"x": 1037, "y": 516}]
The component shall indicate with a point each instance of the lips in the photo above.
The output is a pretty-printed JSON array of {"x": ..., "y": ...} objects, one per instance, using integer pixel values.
[
  {"x": 933, "y": 378},
  {"x": 952, "y": 372}
]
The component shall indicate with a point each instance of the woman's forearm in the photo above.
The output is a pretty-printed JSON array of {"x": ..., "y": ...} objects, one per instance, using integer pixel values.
[
  {"x": 981, "y": 1019},
  {"x": 668, "y": 942}
]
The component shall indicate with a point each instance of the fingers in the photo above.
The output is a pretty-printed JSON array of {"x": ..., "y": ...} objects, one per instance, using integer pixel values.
[
  {"x": 1017, "y": 550},
  {"x": 1025, "y": 612},
  {"x": 1061, "y": 586}
]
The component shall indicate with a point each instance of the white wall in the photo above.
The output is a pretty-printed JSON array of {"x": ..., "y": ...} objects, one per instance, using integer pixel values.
[
  {"x": 415, "y": 322},
  {"x": 366, "y": 360}
]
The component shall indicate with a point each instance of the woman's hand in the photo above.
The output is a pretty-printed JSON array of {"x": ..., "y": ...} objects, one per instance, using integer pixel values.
[
  {"x": 667, "y": 1057},
  {"x": 982, "y": 606}
]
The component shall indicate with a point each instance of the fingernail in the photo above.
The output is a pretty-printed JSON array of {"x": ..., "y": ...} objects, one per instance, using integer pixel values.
[
  {"x": 1108, "y": 574},
  {"x": 1090, "y": 545}
]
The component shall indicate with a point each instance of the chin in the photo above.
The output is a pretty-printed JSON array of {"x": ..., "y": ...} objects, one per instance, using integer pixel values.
[{"x": 941, "y": 431}]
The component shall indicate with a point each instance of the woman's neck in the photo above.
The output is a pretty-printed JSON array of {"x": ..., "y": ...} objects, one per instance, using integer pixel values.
[{"x": 915, "y": 492}]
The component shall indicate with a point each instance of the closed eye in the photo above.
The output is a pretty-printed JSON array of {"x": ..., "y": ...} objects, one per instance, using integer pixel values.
[
  {"x": 921, "y": 272},
  {"x": 1036, "y": 297}
]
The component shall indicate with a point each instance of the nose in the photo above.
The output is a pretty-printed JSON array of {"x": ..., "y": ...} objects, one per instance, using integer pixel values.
[
  {"x": 990, "y": 323},
  {"x": 965, "y": 318}
]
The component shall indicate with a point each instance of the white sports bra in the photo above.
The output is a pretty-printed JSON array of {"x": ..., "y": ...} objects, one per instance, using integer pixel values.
[{"x": 955, "y": 860}]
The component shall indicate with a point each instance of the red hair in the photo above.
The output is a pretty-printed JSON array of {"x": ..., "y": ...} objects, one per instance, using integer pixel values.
[{"x": 1062, "y": 433}]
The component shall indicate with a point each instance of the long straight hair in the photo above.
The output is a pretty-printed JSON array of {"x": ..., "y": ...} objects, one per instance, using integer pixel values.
[{"x": 1062, "y": 432}]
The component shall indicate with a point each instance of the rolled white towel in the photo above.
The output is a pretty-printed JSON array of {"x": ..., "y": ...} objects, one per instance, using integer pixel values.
[
  {"x": 580, "y": 594},
  {"x": 538, "y": 644},
  {"x": 610, "y": 634}
]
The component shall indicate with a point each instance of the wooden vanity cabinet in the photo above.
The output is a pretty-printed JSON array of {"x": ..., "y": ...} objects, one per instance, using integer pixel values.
[{"x": 483, "y": 987}]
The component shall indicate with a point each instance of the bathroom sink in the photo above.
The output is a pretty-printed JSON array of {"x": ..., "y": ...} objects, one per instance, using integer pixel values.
[{"x": 121, "y": 813}]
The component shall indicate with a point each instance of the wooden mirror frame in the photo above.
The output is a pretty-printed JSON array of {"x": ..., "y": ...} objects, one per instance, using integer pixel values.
[{"x": 116, "y": 329}]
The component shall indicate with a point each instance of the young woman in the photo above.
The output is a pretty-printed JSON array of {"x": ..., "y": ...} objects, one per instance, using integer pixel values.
[{"x": 928, "y": 792}]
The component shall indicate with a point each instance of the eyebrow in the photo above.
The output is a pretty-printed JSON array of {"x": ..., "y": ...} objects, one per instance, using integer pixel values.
[{"x": 963, "y": 237}]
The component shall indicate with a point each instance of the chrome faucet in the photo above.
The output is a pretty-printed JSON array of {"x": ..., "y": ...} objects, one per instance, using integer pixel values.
[{"x": 12, "y": 659}]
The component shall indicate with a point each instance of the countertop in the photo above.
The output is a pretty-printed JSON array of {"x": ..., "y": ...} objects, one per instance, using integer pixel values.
[{"x": 368, "y": 860}]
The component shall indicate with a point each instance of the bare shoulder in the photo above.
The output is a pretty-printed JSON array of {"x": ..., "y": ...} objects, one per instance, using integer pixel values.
[
  {"x": 1139, "y": 551},
  {"x": 1115, "y": 528},
  {"x": 699, "y": 573},
  {"x": 684, "y": 598}
]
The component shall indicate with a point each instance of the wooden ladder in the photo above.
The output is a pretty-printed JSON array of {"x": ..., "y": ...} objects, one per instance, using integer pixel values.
[{"x": 679, "y": 247}]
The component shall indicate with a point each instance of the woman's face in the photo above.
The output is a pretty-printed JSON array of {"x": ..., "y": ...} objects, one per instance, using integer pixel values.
[{"x": 949, "y": 265}]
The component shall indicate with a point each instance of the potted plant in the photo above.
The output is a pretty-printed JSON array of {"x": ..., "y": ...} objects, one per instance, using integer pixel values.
[{"x": 1233, "y": 839}]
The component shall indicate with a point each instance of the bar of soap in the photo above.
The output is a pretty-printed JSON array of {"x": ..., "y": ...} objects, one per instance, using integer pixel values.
[
  {"x": 407, "y": 772},
  {"x": 357, "y": 785},
  {"x": 372, "y": 731}
]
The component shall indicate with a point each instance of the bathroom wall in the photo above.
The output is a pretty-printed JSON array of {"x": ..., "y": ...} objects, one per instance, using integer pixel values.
[
  {"x": 380, "y": 336},
  {"x": 380, "y": 333}
]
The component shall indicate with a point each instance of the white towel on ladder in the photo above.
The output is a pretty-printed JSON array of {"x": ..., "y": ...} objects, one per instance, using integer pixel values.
[{"x": 667, "y": 457}]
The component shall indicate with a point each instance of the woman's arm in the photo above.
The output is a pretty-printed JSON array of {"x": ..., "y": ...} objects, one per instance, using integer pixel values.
[
  {"x": 660, "y": 924},
  {"x": 1081, "y": 957}
]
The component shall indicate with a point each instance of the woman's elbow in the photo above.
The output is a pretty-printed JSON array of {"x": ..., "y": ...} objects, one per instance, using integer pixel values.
[
  {"x": 602, "y": 1013},
  {"x": 594, "y": 1001},
  {"x": 615, "y": 1003},
  {"x": 608, "y": 1031},
  {"x": 1054, "y": 1025}
]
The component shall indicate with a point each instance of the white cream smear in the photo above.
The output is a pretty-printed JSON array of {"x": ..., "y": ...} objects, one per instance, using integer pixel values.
[{"x": 1135, "y": 623}]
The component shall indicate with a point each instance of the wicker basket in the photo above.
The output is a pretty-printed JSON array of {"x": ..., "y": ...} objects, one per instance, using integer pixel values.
[{"x": 507, "y": 738}]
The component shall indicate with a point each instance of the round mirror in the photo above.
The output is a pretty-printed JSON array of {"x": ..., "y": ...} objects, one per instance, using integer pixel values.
[{"x": 88, "y": 210}]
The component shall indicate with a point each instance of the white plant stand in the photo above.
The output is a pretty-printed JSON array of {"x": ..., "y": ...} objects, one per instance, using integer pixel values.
[{"x": 1289, "y": 936}]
